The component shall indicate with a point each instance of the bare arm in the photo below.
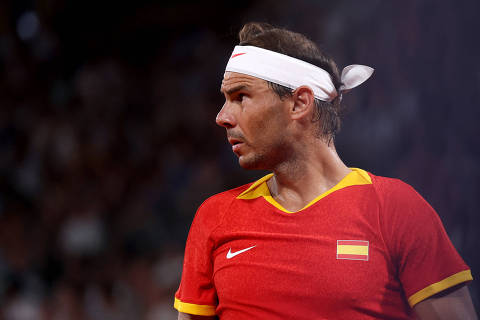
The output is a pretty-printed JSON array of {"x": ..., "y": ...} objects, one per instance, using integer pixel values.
[
  {"x": 454, "y": 304},
  {"x": 186, "y": 316}
]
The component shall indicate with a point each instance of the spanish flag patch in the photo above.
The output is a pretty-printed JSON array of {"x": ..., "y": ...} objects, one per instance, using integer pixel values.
[{"x": 352, "y": 249}]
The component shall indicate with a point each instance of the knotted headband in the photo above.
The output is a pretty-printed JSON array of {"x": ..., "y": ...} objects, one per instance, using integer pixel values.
[{"x": 293, "y": 73}]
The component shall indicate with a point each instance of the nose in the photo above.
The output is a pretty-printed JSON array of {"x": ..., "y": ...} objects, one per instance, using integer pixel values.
[{"x": 225, "y": 117}]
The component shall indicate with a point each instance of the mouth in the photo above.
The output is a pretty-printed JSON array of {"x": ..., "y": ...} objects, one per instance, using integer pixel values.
[
  {"x": 236, "y": 144},
  {"x": 234, "y": 141}
]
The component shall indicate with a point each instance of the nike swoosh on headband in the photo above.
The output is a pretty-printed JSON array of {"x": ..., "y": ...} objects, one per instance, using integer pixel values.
[{"x": 293, "y": 73}]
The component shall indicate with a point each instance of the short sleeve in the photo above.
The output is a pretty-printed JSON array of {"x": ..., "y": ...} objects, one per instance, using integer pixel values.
[
  {"x": 425, "y": 259},
  {"x": 196, "y": 293}
]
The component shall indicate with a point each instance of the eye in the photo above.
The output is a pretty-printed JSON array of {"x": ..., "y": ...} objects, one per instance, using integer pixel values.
[{"x": 240, "y": 96}]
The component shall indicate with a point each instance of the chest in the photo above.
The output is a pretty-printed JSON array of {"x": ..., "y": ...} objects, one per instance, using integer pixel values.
[{"x": 332, "y": 253}]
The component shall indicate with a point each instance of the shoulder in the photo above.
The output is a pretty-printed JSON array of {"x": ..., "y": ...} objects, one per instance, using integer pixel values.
[
  {"x": 401, "y": 204},
  {"x": 386, "y": 185},
  {"x": 394, "y": 191},
  {"x": 223, "y": 199},
  {"x": 212, "y": 210}
]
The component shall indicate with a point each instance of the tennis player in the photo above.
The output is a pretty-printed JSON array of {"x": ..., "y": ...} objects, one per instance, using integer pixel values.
[{"x": 314, "y": 239}]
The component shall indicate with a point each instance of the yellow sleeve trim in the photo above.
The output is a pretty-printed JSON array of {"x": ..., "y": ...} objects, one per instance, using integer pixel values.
[
  {"x": 437, "y": 287},
  {"x": 196, "y": 309}
]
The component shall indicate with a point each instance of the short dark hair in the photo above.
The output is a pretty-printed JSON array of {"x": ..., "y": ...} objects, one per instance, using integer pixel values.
[{"x": 298, "y": 46}]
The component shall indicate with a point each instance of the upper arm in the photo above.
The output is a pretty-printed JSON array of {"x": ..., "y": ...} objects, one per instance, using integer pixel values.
[
  {"x": 425, "y": 259},
  {"x": 196, "y": 294},
  {"x": 186, "y": 316},
  {"x": 452, "y": 304}
]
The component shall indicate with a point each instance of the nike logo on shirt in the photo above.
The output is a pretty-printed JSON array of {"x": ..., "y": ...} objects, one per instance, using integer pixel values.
[{"x": 231, "y": 254}]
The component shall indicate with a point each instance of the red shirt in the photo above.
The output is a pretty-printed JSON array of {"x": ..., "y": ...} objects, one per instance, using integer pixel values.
[{"x": 369, "y": 248}]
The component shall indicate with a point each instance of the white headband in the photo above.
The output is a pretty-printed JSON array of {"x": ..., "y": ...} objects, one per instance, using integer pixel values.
[{"x": 293, "y": 73}]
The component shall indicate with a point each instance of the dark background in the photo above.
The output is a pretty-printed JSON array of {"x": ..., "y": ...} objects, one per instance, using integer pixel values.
[{"x": 108, "y": 141}]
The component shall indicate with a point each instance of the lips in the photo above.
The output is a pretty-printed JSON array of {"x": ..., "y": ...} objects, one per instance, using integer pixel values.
[
  {"x": 234, "y": 141},
  {"x": 236, "y": 144}
]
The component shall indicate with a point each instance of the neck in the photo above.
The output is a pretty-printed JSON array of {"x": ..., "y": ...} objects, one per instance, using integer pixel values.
[{"x": 312, "y": 172}]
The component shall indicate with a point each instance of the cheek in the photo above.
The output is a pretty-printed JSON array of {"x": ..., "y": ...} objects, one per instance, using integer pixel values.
[
  {"x": 274, "y": 119},
  {"x": 267, "y": 120},
  {"x": 258, "y": 126},
  {"x": 270, "y": 129}
]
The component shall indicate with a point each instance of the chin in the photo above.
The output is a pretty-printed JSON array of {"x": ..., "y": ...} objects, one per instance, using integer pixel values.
[
  {"x": 246, "y": 166},
  {"x": 250, "y": 163}
]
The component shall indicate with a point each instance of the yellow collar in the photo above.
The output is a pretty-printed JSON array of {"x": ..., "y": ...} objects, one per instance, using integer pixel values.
[{"x": 260, "y": 188}]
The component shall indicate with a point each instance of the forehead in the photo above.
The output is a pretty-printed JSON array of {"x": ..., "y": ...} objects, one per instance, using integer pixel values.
[{"x": 233, "y": 80}]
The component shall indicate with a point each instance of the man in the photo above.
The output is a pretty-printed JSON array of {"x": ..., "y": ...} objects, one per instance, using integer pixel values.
[{"x": 314, "y": 239}]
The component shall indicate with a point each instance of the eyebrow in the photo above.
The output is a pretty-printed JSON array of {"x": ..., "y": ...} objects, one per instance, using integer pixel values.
[{"x": 234, "y": 89}]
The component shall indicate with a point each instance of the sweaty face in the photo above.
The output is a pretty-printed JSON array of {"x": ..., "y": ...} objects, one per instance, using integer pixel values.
[{"x": 255, "y": 120}]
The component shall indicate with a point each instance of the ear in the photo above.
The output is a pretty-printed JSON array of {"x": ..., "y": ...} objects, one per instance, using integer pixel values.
[{"x": 303, "y": 102}]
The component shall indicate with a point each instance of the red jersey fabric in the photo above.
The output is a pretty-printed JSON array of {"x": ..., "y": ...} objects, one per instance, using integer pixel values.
[{"x": 369, "y": 248}]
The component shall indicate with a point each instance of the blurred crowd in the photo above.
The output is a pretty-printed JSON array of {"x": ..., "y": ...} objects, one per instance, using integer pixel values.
[
  {"x": 100, "y": 176},
  {"x": 105, "y": 157}
]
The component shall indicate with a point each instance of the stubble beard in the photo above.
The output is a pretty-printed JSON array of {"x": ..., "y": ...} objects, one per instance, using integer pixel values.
[
  {"x": 252, "y": 161},
  {"x": 266, "y": 159}
]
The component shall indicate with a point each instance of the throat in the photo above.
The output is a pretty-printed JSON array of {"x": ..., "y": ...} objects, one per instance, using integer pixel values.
[{"x": 296, "y": 194}]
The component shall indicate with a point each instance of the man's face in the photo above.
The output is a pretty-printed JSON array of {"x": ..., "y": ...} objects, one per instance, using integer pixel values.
[{"x": 256, "y": 121}]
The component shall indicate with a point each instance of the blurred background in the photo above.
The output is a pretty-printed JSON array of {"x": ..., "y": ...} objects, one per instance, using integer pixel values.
[{"x": 108, "y": 142}]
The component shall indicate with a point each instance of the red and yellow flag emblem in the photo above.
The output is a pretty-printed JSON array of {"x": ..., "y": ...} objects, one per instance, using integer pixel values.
[{"x": 352, "y": 249}]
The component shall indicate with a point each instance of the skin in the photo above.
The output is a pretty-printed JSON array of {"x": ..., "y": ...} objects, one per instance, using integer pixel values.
[
  {"x": 278, "y": 135},
  {"x": 250, "y": 109},
  {"x": 454, "y": 303}
]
